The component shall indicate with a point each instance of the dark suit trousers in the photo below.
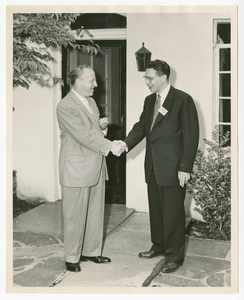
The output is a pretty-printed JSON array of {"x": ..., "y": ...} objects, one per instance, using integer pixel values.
[{"x": 167, "y": 219}]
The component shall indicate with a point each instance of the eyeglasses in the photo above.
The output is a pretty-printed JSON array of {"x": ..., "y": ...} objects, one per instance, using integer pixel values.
[{"x": 149, "y": 78}]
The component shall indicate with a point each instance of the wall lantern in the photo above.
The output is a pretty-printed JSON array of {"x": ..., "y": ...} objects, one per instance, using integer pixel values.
[{"x": 143, "y": 58}]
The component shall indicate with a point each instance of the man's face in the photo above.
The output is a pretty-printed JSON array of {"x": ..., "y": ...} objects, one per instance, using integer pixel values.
[
  {"x": 154, "y": 81},
  {"x": 86, "y": 83}
]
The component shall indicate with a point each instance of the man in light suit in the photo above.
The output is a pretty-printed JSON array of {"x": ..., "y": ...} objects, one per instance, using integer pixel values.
[
  {"x": 169, "y": 122},
  {"x": 82, "y": 170}
]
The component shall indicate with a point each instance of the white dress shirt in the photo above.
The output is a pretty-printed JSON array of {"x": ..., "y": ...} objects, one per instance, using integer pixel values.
[
  {"x": 84, "y": 101},
  {"x": 164, "y": 94},
  {"x": 87, "y": 105}
]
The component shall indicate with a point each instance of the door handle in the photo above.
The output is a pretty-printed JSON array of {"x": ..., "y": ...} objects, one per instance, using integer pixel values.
[{"x": 122, "y": 119}]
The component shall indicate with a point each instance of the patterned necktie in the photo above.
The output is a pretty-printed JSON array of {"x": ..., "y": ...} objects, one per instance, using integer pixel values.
[
  {"x": 88, "y": 106},
  {"x": 156, "y": 108}
]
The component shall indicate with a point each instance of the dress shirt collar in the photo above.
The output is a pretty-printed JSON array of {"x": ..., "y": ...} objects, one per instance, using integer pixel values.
[
  {"x": 164, "y": 93},
  {"x": 80, "y": 97},
  {"x": 83, "y": 100}
]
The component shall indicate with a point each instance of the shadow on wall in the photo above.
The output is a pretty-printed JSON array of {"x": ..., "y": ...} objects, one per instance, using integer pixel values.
[
  {"x": 202, "y": 130},
  {"x": 173, "y": 77},
  {"x": 137, "y": 150}
]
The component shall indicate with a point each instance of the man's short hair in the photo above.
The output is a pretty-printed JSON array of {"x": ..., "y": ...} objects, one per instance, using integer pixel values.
[
  {"x": 76, "y": 72},
  {"x": 160, "y": 66}
]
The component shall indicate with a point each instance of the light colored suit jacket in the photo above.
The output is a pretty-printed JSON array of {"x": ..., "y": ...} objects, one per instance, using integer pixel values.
[{"x": 83, "y": 146}]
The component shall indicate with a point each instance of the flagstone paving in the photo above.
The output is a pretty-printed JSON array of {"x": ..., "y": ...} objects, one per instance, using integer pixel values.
[{"x": 38, "y": 255}]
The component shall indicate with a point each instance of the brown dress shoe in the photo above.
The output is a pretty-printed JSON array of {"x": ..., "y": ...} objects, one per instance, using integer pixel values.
[
  {"x": 149, "y": 254},
  {"x": 171, "y": 266},
  {"x": 96, "y": 259},
  {"x": 72, "y": 267}
]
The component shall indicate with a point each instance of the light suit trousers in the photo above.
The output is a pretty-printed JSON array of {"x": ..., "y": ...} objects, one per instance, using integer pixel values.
[{"x": 83, "y": 216}]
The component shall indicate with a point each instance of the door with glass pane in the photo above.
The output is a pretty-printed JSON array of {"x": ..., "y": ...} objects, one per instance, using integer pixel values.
[
  {"x": 109, "y": 65},
  {"x": 222, "y": 50}
]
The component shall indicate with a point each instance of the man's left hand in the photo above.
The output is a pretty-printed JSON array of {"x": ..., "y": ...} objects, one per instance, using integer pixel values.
[
  {"x": 103, "y": 123},
  {"x": 183, "y": 177}
]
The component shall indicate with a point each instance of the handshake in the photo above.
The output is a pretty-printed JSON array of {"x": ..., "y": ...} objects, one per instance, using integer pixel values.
[{"x": 118, "y": 147}]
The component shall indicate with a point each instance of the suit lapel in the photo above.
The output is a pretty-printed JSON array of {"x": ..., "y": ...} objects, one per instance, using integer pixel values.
[
  {"x": 82, "y": 107},
  {"x": 93, "y": 106},
  {"x": 167, "y": 105}
]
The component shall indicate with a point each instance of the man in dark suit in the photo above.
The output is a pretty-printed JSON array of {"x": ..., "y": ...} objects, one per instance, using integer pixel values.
[{"x": 169, "y": 122}]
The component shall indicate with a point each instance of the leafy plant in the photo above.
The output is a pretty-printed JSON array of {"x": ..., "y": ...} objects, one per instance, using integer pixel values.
[
  {"x": 210, "y": 186},
  {"x": 34, "y": 35}
]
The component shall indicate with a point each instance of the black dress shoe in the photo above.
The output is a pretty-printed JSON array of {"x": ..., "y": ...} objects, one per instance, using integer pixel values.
[
  {"x": 72, "y": 267},
  {"x": 96, "y": 259},
  {"x": 149, "y": 254},
  {"x": 171, "y": 266}
]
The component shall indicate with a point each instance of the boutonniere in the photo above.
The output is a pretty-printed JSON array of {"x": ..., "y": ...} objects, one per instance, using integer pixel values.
[{"x": 163, "y": 111}]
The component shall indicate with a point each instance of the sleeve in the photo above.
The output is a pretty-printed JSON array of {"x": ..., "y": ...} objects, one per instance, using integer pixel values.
[
  {"x": 71, "y": 121},
  {"x": 137, "y": 133},
  {"x": 190, "y": 135}
]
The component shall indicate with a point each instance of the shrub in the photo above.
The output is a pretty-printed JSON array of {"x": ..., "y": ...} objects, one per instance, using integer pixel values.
[
  {"x": 34, "y": 36},
  {"x": 210, "y": 186}
]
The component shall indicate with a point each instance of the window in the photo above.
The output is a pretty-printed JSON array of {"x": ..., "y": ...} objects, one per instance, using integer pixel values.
[{"x": 222, "y": 76}]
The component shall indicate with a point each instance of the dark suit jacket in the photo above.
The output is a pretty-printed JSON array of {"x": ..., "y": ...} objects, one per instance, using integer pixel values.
[{"x": 172, "y": 143}]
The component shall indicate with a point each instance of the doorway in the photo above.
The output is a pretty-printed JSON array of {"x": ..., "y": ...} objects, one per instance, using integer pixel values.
[{"x": 110, "y": 95}]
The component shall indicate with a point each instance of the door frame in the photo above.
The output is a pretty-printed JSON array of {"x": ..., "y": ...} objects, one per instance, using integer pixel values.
[{"x": 107, "y": 37}]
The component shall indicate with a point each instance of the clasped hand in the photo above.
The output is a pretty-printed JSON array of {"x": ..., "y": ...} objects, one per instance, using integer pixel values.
[
  {"x": 103, "y": 123},
  {"x": 118, "y": 147}
]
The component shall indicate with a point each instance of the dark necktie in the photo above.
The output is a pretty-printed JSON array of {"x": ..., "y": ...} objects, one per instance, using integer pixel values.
[{"x": 156, "y": 108}]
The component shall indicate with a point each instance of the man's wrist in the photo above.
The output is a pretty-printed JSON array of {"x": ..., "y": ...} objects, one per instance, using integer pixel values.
[{"x": 125, "y": 146}]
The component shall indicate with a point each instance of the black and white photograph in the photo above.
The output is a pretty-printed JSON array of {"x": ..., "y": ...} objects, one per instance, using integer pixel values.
[{"x": 122, "y": 149}]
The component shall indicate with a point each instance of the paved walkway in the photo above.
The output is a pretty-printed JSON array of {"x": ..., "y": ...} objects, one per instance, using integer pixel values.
[{"x": 38, "y": 254}]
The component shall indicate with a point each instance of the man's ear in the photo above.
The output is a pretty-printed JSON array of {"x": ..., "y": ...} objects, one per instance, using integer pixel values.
[{"x": 164, "y": 78}]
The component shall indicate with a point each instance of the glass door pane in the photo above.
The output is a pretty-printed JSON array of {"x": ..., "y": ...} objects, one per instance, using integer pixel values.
[
  {"x": 222, "y": 131},
  {"x": 223, "y": 33},
  {"x": 224, "y": 59},
  {"x": 224, "y": 85},
  {"x": 224, "y": 110}
]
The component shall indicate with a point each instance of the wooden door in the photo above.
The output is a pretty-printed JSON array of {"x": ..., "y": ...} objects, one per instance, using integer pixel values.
[{"x": 110, "y": 68}]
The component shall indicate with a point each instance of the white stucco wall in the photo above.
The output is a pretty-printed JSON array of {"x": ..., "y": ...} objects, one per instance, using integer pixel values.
[
  {"x": 35, "y": 138},
  {"x": 184, "y": 41}
]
